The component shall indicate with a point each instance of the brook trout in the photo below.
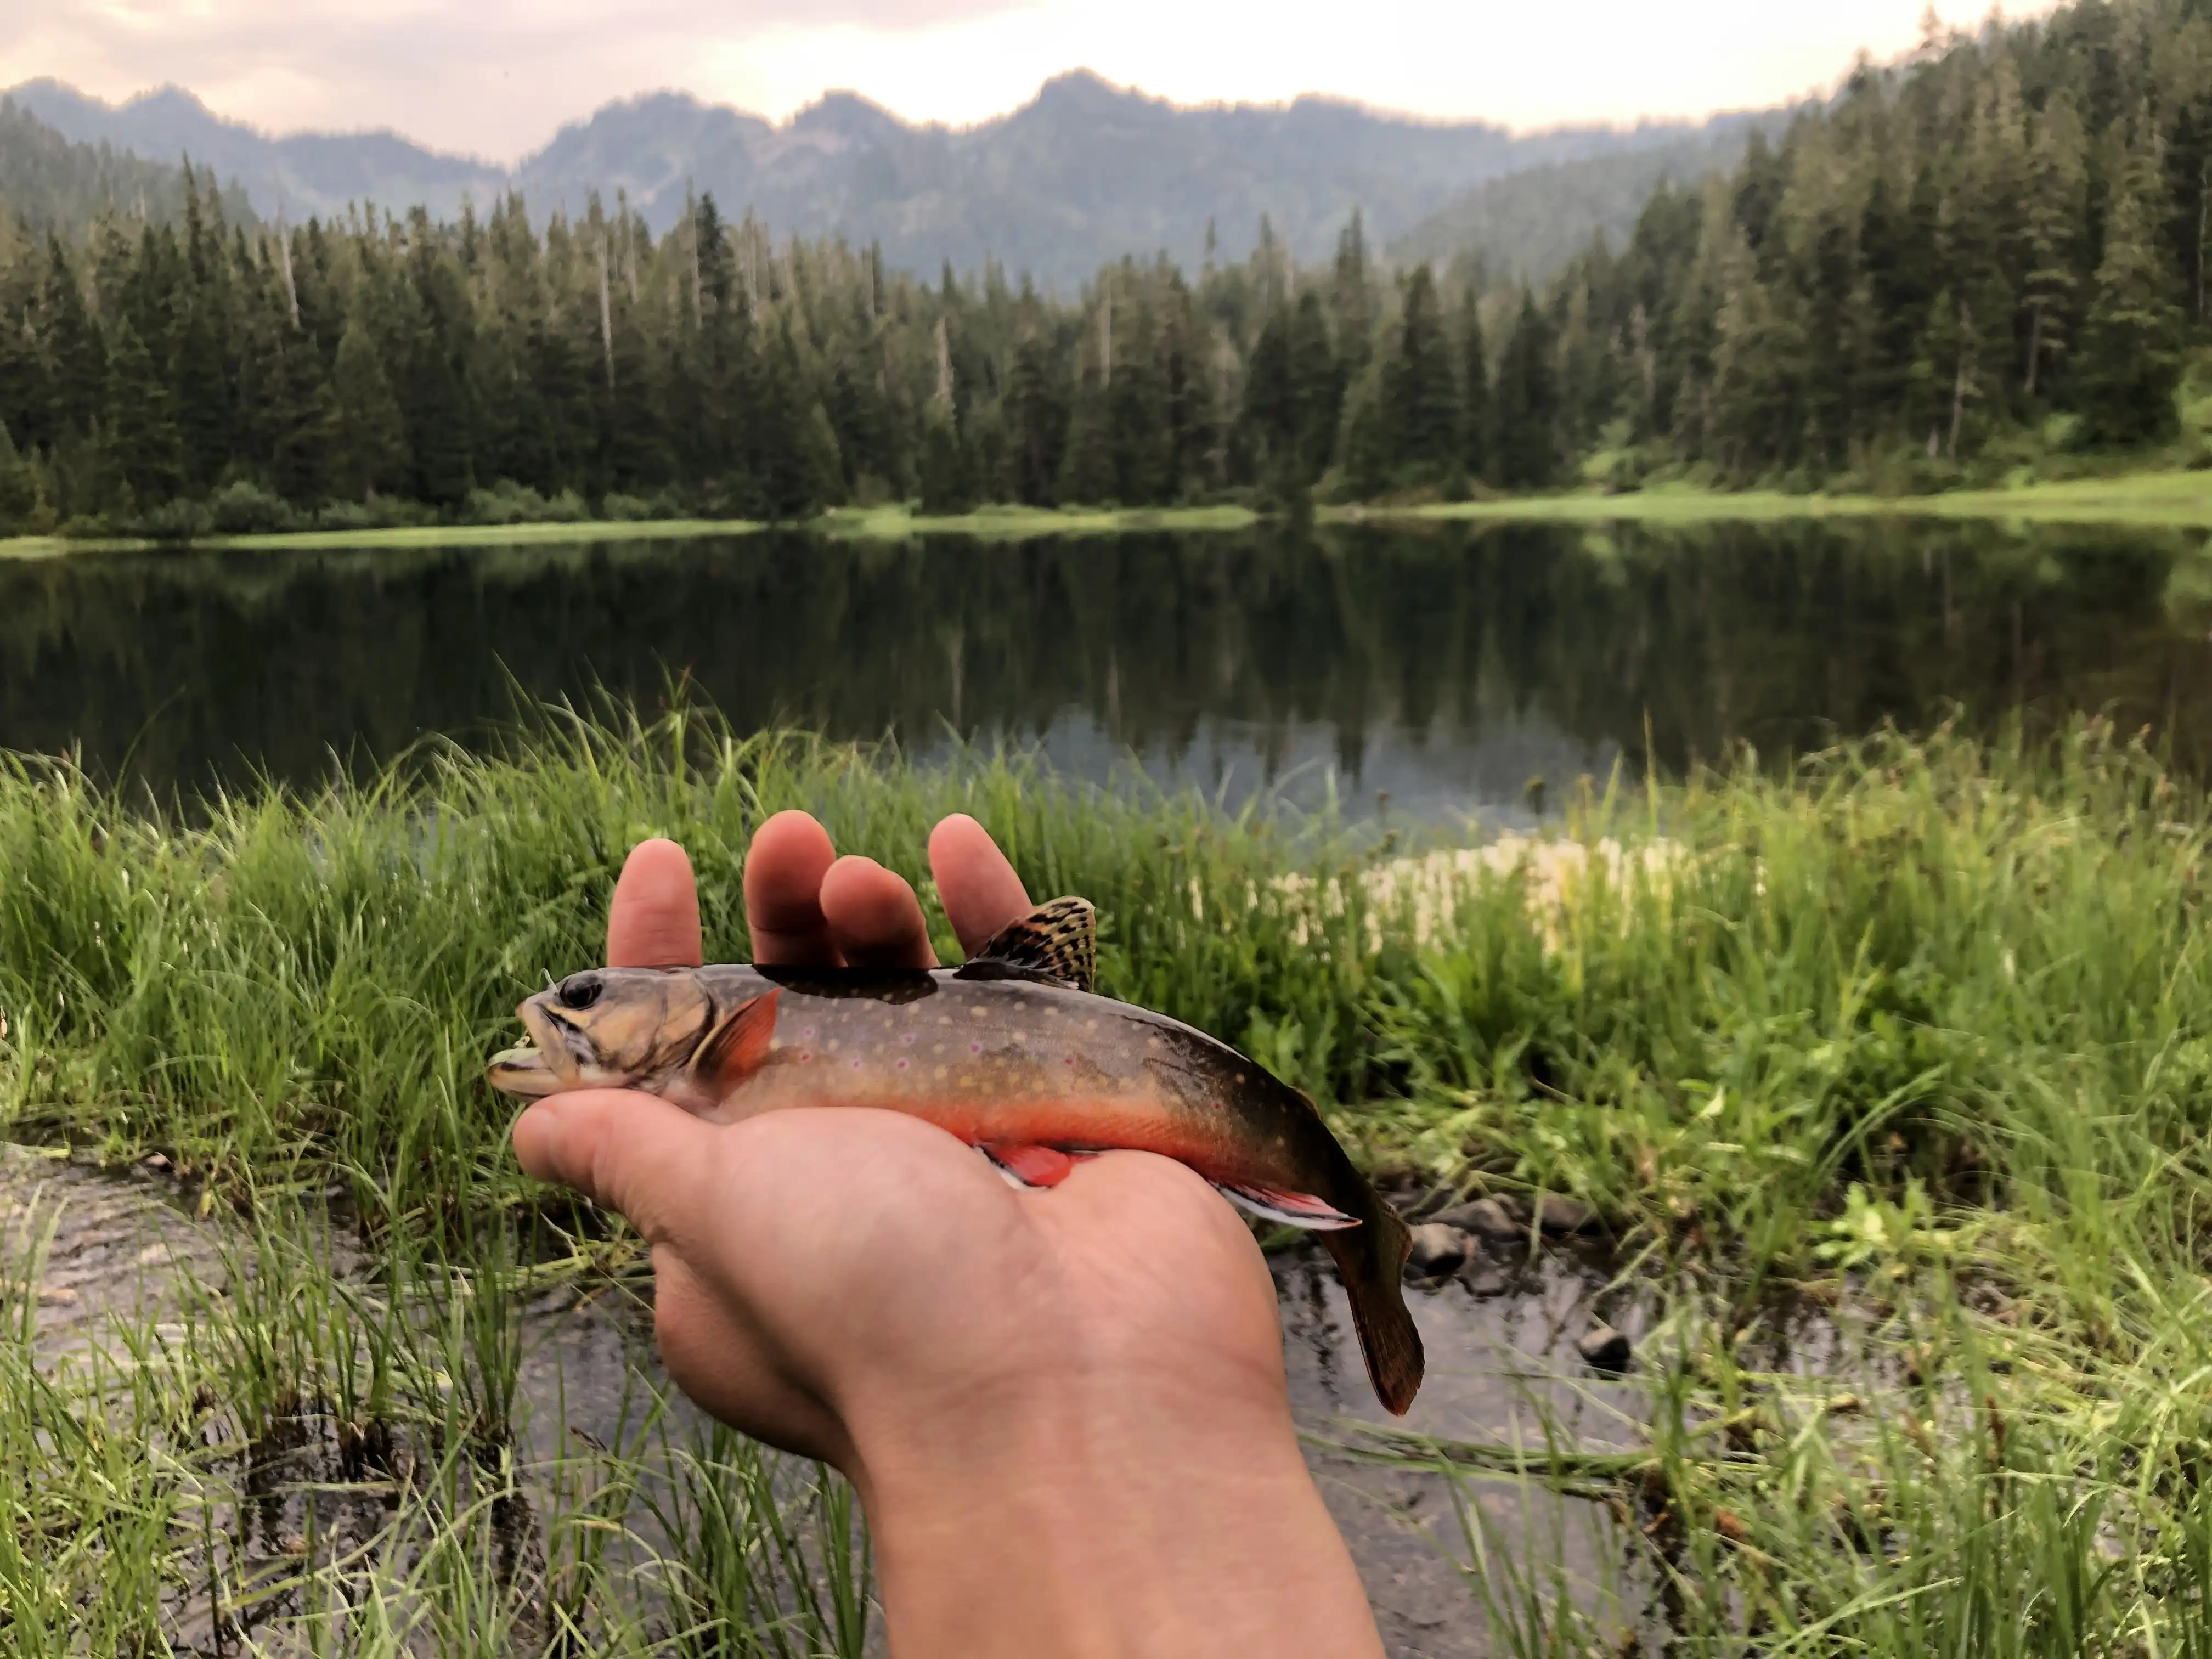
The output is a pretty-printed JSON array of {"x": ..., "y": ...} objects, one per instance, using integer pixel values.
[{"x": 1013, "y": 1054}]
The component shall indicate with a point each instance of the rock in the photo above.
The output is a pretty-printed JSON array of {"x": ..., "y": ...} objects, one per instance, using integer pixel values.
[
  {"x": 1438, "y": 1249},
  {"x": 1484, "y": 1281},
  {"x": 1605, "y": 1349},
  {"x": 1485, "y": 1218},
  {"x": 1567, "y": 1215}
]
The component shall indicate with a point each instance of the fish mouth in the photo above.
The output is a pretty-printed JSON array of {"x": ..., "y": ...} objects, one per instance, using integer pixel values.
[{"x": 523, "y": 1073}]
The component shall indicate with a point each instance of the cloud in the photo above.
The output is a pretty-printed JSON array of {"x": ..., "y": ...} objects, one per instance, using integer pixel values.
[
  {"x": 1506, "y": 61},
  {"x": 497, "y": 77}
]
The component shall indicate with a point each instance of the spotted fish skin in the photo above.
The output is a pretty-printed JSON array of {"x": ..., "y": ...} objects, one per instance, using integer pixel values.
[
  {"x": 1036, "y": 1074},
  {"x": 1007, "y": 1062}
]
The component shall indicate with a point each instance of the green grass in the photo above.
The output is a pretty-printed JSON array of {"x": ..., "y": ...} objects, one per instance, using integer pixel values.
[
  {"x": 1923, "y": 1029},
  {"x": 2173, "y": 500},
  {"x": 1027, "y": 523},
  {"x": 411, "y": 536},
  {"x": 2176, "y": 499},
  {"x": 891, "y": 523}
]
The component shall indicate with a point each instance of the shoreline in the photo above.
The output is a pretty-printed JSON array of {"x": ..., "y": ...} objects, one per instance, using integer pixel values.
[{"x": 2162, "y": 500}]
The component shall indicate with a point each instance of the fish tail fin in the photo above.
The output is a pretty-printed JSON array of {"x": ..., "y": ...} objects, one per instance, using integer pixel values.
[{"x": 1372, "y": 1260}]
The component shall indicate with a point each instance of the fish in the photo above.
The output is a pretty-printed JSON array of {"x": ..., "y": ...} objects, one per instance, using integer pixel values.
[{"x": 1013, "y": 1053}]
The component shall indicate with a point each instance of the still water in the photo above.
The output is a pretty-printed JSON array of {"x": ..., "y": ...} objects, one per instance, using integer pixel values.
[{"x": 1443, "y": 669}]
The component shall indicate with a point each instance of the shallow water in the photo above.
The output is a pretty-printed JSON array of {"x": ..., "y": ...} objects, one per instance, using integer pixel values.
[
  {"x": 1501, "y": 1365},
  {"x": 1447, "y": 668}
]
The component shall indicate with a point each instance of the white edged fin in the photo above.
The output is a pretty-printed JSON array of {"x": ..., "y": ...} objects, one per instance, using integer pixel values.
[
  {"x": 1288, "y": 1209},
  {"x": 1030, "y": 1165},
  {"x": 1006, "y": 1174}
]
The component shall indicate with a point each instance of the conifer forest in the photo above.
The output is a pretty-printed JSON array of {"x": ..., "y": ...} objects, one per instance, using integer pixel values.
[{"x": 1990, "y": 257}]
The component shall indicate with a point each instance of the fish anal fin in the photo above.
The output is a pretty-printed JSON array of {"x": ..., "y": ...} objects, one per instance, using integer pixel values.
[
  {"x": 1056, "y": 942},
  {"x": 1030, "y": 1166},
  {"x": 1288, "y": 1209},
  {"x": 738, "y": 1045}
]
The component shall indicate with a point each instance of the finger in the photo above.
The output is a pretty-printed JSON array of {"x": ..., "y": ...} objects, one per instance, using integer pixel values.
[
  {"x": 981, "y": 891},
  {"x": 784, "y": 867},
  {"x": 874, "y": 916},
  {"x": 653, "y": 920},
  {"x": 631, "y": 1152}
]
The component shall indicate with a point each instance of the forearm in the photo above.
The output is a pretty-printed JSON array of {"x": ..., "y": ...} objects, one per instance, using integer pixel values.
[{"x": 1103, "y": 1528}]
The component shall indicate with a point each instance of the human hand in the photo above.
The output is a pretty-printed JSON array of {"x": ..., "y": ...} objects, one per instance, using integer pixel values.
[{"x": 1100, "y": 1362}]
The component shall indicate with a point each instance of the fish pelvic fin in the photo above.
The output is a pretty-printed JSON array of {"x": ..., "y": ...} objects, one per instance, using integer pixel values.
[
  {"x": 1030, "y": 1166},
  {"x": 735, "y": 1046},
  {"x": 1372, "y": 1260},
  {"x": 1057, "y": 943},
  {"x": 1288, "y": 1209}
]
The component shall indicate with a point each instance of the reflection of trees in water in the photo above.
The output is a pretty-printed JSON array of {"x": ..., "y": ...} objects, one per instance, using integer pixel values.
[
  {"x": 194, "y": 665},
  {"x": 1785, "y": 638}
]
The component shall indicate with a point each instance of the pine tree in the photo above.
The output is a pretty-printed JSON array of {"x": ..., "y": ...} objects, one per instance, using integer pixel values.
[
  {"x": 1420, "y": 393},
  {"x": 145, "y": 450},
  {"x": 1477, "y": 451},
  {"x": 369, "y": 450},
  {"x": 1528, "y": 403},
  {"x": 946, "y": 486},
  {"x": 203, "y": 354},
  {"x": 1351, "y": 299},
  {"x": 943, "y": 469},
  {"x": 1759, "y": 364},
  {"x": 1037, "y": 406},
  {"x": 19, "y": 494},
  {"x": 434, "y": 341},
  {"x": 1087, "y": 467},
  {"x": 2131, "y": 357},
  {"x": 1271, "y": 411},
  {"x": 795, "y": 461},
  {"x": 301, "y": 416},
  {"x": 1318, "y": 380},
  {"x": 72, "y": 348},
  {"x": 1366, "y": 459}
]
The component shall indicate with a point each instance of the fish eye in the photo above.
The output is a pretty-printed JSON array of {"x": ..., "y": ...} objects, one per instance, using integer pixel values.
[{"x": 580, "y": 990}]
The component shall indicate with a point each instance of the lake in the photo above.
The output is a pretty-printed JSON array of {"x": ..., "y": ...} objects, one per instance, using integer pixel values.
[{"x": 1433, "y": 670}]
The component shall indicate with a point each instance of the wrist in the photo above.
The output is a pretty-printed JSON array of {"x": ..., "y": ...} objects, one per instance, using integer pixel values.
[{"x": 1103, "y": 1513}]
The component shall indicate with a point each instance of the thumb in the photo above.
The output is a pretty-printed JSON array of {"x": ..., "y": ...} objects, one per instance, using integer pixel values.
[{"x": 632, "y": 1152}]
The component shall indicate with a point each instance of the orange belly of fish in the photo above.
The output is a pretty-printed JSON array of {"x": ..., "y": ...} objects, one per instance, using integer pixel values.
[{"x": 1042, "y": 1140}]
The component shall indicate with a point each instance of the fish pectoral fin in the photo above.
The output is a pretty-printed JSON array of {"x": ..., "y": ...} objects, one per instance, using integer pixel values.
[
  {"x": 1057, "y": 943},
  {"x": 1288, "y": 1209},
  {"x": 737, "y": 1046},
  {"x": 1029, "y": 1166}
]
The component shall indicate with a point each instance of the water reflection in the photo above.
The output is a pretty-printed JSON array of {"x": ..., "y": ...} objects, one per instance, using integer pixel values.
[{"x": 1447, "y": 667}]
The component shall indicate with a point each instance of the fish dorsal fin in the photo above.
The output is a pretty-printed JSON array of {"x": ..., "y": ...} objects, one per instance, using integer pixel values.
[
  {"x": 737, "y": 1045},
  {"x": 1057, "y": 942}
]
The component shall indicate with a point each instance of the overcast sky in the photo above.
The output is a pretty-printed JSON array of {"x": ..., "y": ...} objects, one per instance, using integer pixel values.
[{"x": 497, "y": 77}]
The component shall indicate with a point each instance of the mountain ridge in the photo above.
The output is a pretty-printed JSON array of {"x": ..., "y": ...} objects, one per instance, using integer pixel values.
[{"x": 1082, "y": 175}]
